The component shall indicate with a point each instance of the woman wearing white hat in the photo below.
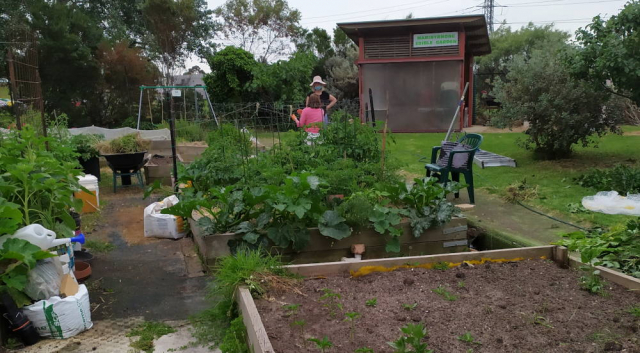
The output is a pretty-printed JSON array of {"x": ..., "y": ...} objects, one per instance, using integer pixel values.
[{"x": 317, "y": 87}]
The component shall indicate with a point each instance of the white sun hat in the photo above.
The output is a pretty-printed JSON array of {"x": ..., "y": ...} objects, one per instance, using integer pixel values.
[{"x": 317, "y": 79}]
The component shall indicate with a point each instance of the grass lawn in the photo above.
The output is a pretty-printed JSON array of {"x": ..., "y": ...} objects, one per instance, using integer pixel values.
[{"x": 556, "y": 188}]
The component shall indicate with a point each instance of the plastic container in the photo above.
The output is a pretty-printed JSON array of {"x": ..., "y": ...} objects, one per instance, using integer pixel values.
[
  {"x": 91, "y": 199},
  {"x": 42, "y": 237}
]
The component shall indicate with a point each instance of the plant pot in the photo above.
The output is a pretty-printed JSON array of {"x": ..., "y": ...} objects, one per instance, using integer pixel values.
[
  {"x": 83, "y": 256},
  {"x": 91, "y": 166},
  {"x": 82, "y": 270},
  {"x": 18, "y": 322},
  {"x": 125, "y": 163}
]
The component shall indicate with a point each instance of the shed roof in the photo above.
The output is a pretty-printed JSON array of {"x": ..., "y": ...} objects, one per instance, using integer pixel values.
[{"x": 475, "y": 27}]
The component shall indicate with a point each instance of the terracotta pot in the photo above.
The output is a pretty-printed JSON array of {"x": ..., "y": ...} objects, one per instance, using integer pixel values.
[
  {"x": 82, "y": 270},
  {"x": 331, "y": 197}
]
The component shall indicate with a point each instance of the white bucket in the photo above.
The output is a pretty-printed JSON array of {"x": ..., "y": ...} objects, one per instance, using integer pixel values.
[{"x": 91, "y": 202}]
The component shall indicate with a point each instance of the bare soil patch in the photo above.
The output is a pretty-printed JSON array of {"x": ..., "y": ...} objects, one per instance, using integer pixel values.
[{"x": 527, "y": 306}]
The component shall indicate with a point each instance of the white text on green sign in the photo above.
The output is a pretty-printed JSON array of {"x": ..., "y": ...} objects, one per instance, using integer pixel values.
[{"x": 426, "y": 40}]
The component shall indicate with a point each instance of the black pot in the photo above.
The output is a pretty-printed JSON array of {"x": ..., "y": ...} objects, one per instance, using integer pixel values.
[
  {"x": 125, "y": 163},
  {"x": 91, "y": 166},
  {"x": 18, "y": 322}
]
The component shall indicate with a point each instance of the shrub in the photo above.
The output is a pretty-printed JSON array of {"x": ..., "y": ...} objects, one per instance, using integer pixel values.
[
  {"x": 561, "y": 110},
  {"x": 621, "y": 178}
]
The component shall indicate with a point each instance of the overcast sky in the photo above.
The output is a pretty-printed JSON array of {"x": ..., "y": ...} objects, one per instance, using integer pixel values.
[{"x": 567, "y": 15}]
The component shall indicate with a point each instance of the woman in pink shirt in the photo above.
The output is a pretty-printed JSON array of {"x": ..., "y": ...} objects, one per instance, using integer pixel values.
[{"x": 311, "y": 117}]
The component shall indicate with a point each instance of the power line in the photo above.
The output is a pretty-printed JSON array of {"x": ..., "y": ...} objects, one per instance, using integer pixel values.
[
  {"x": 488, "y": 8},
  {"x": 371, "y": 10}
]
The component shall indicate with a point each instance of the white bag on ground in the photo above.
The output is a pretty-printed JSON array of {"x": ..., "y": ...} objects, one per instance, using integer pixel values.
[
  {"x": 161, "y": 225},
  {"x": 610, "y": 202},
  {"x": 61, "y": 318},
  {"x": 44, "y": 280}
]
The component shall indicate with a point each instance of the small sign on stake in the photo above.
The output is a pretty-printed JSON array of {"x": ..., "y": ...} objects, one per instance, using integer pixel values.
[{"x": 176, "y": 93}]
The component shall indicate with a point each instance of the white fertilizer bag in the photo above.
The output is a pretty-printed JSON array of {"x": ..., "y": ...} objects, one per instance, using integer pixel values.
[
  {"x": 61, "y": 318},
  {"x": 161, "y": 225},
  {"x": 610, "y": 202}
]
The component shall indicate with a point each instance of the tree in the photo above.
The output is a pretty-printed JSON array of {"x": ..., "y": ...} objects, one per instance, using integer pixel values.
[
  {"x": 194, "y": 70},
  {"x": 262, "y": 27},
  {"x": 231, "y": 73},
  {"x": 176, "y": 28},
  {"x": 318, "y": 42},
  {"x": 284, "y": 81},
  {"x": 341, "y": 41},
  {"x": 611, "y": 51},
  {"x": 561, "y": 110},
  {"x": 342, "y": 74}
]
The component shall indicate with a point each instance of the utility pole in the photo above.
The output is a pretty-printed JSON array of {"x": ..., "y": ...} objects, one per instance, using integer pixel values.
[{"x": 488, "y": 13}]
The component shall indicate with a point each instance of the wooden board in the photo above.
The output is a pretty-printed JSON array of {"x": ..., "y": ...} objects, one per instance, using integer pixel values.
[
  {"x": 256, "y": 334},
  {"x": 610, "y": 275}
]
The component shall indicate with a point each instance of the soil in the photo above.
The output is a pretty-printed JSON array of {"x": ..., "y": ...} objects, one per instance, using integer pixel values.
[
  {"x": 527, "y": 306},
  {"x": 161, "y": 160}
]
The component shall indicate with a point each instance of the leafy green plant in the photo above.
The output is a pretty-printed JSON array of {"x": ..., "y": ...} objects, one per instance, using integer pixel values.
[
  {"x": 634, "y": 310},
  {"x": 85, "y": 145},
  {"x": 356, "y": 210},
  {"x": 147, "y": 332},
  {"x": 618, "y": 249},
  {"x": 461, "y": 284},
  {"x": 322, "y": 344},
  {"x": 371, "y": 302},
  {"x": 592, "y": 282},
  {"x": 351, "y": 318},
  {"x": 291, "y": 309},
  {"x": 442, "y": 266},
  {"x": 409, "y": 307},
  {"x": 301, "y": 324},
  {"x": 331, "y": 301},
  {"x": 99, "y": 246},
  {"x": 235, "y": 338},
  {"x": 444, "y": 293},
  {"x": 468, "y": 338},
  {"x": 130, "y": 143},
  {"x": 385, "y": 220},
  {"x": 621, "y": 178},
  {"x": 413, "y": 336},
  {"x": 363, "y": 350}
]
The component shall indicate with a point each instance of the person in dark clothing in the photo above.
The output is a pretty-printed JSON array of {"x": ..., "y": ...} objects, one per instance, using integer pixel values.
[{"x": 317, "y": 86}]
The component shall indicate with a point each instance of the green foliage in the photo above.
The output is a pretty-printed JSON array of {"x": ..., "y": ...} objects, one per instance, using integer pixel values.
[
  {"x": 363, "y": 350},
  {"x": 618, "y": 249},
  {"x": 468, "y": 338},
  {"x": 130, "y": 143},
  {"x": 634, "y": 310},
  {"x": 322, "y": 344},
  {"x": 385, "y": 220},
  {"x": 291, "y": 309},
  {"x": 592, "y": 282},
  {"x": 99, "y": 246},
  {"x": 331, "y": 301},
  {"x": 561, "y": 110},
  {"x": 284, "y": 80},
  {"x": 351, "y": 317},
  {"x": 413, "y": 334},
  {"x": 85, "y": 145},
  {"x": 409, "y": 307},
  {"x": 609, "y": 51},
  {"x": 231, "y": 73},
  {"x": 332, "y": 225},
  {"x": 621, "y": 178},
  {"x": 235, "y": 338},
  {"x": 147, "y": 332},
  {"x": 461, "y": 284},
  {"x": 442, "y": 266},
  {"x": 356, "y": 210},
  {"x": 371, "y": 302},
  {"x": 445, "y": 294}
]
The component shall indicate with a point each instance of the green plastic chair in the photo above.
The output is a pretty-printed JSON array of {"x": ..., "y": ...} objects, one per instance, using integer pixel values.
[{"x": 473, "y": 141}]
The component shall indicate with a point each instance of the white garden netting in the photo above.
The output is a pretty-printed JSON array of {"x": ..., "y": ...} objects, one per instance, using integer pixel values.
[{"x": 110, "y": 134}]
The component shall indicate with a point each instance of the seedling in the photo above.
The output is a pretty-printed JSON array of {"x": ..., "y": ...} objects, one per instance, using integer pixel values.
[
  {"x": 413, "y": 336},
  {"x": 634, "y": 310},
  {"x": 409, "y": 307},
  {"x": 363, "y": 350},
  {"x": 371, "y": 302},
  {"x": 461, "y": 284},
  {"x": 331, "y": 299},
  {"x": 442, "y": 266},
  {"x": 444, "y": 293},
  {"x": 301, "y": 324},
  {"x": 538, "y": 319},
  {"x": 351, "y": 317},
  {"x": 593, "y": 283},
  {"x": 322, "y": 344},
  {"x": 291, "y": 309},
  {"x": 468, "y": 338}
]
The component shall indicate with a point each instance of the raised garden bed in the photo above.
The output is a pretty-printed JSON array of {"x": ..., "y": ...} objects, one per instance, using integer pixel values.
[
  {"x": 449, "y": 238},
  {"x": 159, "y": 167},
  {"x": 512, "y": 300}
]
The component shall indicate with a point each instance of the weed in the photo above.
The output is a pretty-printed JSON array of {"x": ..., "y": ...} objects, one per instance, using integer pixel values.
[
  {"x": 593, "y": 283},
  {"x": 413, "y": 336},
  {"x": 331, "y": 301},
  {"x": 291, "y": 309},
  {"x": 442, "y": 265},
  {"x": 371, "y": 302},
  {"x": 537, "y": 319},
  {"x": 147, "y": 332},
  {"x": 634, "y": 310},
  {"x": 235, "y": 338},
  {"x": 461, "y": 284},
  {"x": 99, "y": 246},
  {"x": 520, "y": 192},
  {"x": 351, "y": 317},
  {"x": 468, "y": 338},
  {"x": 488, "y": 310},
  {"x": 604, "y": 336},
  {"x": 322, "y": 344},
  {"x": 444, "y": 293},
  {"x": 363, "y": 350},
  {"x": 409, "y": 307},
  {"x": 301, "y": 324}
]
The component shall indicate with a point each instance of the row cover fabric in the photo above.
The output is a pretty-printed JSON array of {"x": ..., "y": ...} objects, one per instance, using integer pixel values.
[
  {"x": 110, "y": 134},
  {"x": 610, "y": 202}
]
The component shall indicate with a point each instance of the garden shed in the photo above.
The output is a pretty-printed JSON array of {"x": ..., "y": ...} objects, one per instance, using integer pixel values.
[{"x": 416, "y": 69}]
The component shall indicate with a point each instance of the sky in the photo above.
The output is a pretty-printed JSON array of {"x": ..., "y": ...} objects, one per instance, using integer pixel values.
[{"x": 567, "y": 15}]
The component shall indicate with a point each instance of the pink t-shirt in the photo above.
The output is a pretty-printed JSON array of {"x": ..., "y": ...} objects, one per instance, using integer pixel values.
[{"x": 311, "y": 116}]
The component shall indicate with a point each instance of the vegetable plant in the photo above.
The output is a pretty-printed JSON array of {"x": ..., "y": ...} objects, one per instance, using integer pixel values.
[
  {"x": 409, "y": 307},
  {"x": 413, "y": 334},
  {"x": 442, "y": 265},
  {"x": 363, "y": 350},
  {"x": 371, "y": 302},
  {"x": 291, "y": 309},
  {"x": 468, "y": 338},
  {"x": 592, "y": 282},
  {"x": 85, "y": 145},
  {"x": 385, "y": 220},
  {"x": 322, "y": 344},
  {"x": 331, "y": 299},
  {"x": 351, "y": 318},
  {"x": 301, "y": 324},
  {"x": 444, "y": 293}
]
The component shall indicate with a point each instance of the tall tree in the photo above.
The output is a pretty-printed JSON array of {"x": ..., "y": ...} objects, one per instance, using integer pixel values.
[
  {"x": 341, "y": 42},
  {"x": 262, "y": 27},
  {"x": 611, "y": 51},
  {"x": 342, "y": 74},
  {"x": 231, "y": 73},
  {"x": 317, "y": 42},
  {"x": 176, "y": 29}
]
